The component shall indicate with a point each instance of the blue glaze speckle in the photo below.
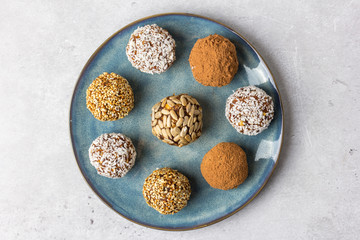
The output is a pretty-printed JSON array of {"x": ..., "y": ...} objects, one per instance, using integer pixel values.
[{"x": 206, "y": 204}]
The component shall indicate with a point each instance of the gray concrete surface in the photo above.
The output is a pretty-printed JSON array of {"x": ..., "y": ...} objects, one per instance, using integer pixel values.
[{"x": 313, "y": 50}]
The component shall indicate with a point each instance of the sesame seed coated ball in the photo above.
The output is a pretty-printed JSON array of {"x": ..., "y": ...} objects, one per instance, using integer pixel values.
[
  {"x": 109, "y": 97},
  {"x": 166, "y": 190}
]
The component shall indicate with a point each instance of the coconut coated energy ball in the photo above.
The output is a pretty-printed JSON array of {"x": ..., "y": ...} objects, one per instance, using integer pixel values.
[
  {"x": 249, "y": 110},
  {"x": 112, "y": 155},
  {"x": 151, "y": 49}
]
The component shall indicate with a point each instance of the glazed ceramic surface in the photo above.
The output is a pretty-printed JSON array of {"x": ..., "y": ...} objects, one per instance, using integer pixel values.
[{"x": 206, "y": 205}]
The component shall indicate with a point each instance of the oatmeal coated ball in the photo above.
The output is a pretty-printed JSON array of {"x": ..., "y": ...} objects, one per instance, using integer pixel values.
[
  {"x": 109, "y": 97},
  {"x": 151, "y": 49},
  {"x": 249, "y": 110},
  {"x": 166, "y": 190},
  {"x": 112, "y": 155},
  {"x": 177, "y": 120}
]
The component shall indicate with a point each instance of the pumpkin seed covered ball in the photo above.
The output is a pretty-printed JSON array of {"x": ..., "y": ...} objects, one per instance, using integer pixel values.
[
  {"x": 151, "y": 49},
  {"x": 166, "y": 190},
  {"x": 109, "y": 97}
]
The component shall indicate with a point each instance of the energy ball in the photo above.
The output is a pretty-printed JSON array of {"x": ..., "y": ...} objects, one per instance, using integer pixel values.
[
  {"x": 109, "y": 97},
  {"x": 151, "y": 49},
  {"x": 249, "y": 110},
  {"x": 177, "y": 120},
  {"x": 213, "y": 61},
  {"x": 224, "y": 166},
  {"x": 112, "y": 155},
  {"x": 166, "y": 190}
]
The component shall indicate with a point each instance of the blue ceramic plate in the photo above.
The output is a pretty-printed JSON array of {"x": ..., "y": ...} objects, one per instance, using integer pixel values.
[{"x": 207, "y": 205}]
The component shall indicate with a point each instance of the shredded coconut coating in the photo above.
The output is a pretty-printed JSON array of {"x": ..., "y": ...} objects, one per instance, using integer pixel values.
[
  {"x": 109, "y": 97},
  {"x": 112, "y": 154},
  {"x": 249, "y": 110},
  {"x": 166, "y": 190},
  {"x": 151, "y": 49}
]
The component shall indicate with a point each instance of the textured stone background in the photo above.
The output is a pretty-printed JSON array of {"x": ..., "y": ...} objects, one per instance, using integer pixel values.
[{"x": 312, "y": 48}]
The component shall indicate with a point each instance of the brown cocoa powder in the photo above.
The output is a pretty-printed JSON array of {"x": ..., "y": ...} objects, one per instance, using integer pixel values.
[
  {"x": 225, "y": 166},
  {"x": 213, "y": 61}
]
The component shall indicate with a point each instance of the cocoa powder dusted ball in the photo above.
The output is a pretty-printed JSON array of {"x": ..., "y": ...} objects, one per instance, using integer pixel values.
[
  {"x": 249, "y": 110},
  {"x": 166, "y": 190},
  {"x": 151, "y": 49},
  {"x": 109, "y": 97},
  {"x": 177, "y": 120},
  {"x": 112, "y": 155},
  {"x": 225, "y": 166},
  {"x": 213, "y": 61}
]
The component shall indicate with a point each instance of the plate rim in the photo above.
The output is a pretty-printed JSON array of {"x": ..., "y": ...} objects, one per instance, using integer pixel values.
[{"x": 77, "y": 157}]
